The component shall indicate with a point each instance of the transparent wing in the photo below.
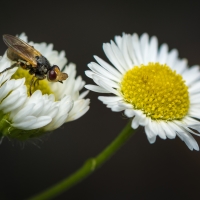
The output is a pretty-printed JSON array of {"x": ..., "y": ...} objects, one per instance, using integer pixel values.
[{"x": 22, "y": 49}]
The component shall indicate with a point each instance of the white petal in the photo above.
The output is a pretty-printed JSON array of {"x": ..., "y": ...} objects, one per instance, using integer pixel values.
[
  {"x": 135, "y": 122},
  {"x": 129, "y": 113},
  {"x": 125, "y": 52},
  {"x": 21, "y": 115},
  {"x": 83, "y": 94},
  {"x": 117, "y": 108},
  {"x": 108, "y": 67},
  {"x": 111, "y": 56},
  {"x": 89, "y": 73},
  {"x": 131, "y": 51},
  {"x": 79, "y": 114},
  {"x": 136, "y": 47},
  {"x": 168, "y": 130},
  {"x": 189, "y": 140},
  {"x": 41, "y": 122},
  {"x": 9, "y": 86},
  {"x": 124, "y": 104},
  {"x": 150, "y": 136},
  {"x": 153, "y": 49},
  {"x": 143, "y": 120},
  {"x": 161, "y": 131},
  {"x": 26, "y": 123},
  {"x": 95, "y": 88},
  {"x": 97, "y": 78},
  {"x": 181, "y": 66},
  {"x": 194, "y": 88},
  {"x": 108, "y": 88},
  {"x": 163, "y": 53},
  {"x": 144, "y": 42},
  {"x": 172, "y": 57},
  {"x": 119, "y": 55},
  {"x": 18, "y": 104},
  {"x": 80, "y": 108},
  {"x": 101, "y": 71},
  {"x": 192, "y": 75}
]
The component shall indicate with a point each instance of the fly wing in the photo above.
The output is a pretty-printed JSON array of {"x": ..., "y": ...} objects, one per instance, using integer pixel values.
[{"x": 22, "y": 49}]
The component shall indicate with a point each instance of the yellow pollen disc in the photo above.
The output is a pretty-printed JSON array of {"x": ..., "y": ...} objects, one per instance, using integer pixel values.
[
  {"x": 156, "y": 90},
  {"x": 41, "y": 85}
]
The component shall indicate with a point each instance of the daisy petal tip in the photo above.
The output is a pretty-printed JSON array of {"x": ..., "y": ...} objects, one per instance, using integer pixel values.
[
  {"x": 129, "y": 113},
  {"x": 152, "y": 140},
  {"x": 86, "y": 87}
]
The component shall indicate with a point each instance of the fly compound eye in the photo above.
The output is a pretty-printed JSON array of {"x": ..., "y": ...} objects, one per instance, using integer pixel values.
[
  {"x": 52, "y": 75},
  {"x": 55, "y": 75}
]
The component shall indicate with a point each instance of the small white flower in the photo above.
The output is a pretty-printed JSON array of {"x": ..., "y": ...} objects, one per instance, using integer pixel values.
[
  {"x": 152, "y": 86},
  {"x": 49, "y": 107}
]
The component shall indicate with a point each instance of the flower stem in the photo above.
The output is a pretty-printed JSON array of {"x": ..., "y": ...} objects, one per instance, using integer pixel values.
[{"x": 88, "y": 167}]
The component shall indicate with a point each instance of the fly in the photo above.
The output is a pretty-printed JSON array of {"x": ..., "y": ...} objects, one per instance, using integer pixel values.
[{"x": 29, "y": 58}]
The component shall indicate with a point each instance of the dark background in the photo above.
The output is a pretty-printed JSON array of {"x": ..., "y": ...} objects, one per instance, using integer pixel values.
[{"x": 139, "y": 170}]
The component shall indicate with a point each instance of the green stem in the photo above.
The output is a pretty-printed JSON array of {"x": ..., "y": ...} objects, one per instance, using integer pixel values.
[{"x": 90, "y": 166}]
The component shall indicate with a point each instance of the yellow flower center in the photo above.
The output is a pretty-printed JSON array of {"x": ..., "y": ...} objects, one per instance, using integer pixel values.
[
  {"x": 41, "y": 85},
  {"x": 156, "y": 90}
]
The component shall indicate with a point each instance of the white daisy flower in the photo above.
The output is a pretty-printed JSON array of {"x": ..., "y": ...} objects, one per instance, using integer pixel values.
[
  {"x": 152, "y": 86},
  {"x": 51, "y": 105}
]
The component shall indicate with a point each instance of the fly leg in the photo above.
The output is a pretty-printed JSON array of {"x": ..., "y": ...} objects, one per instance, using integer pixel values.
[
  {"x": 23, "y": 64},
  {"x": 36, "y": 82},
  {"x": 11, "y": 67},
  {"x": 39, "y": 77},
  {"x": 31, "y": 83},
  {"x": 20, "y": 63}
]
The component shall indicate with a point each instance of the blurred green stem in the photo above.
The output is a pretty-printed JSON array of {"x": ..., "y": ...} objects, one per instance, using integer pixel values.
[{"x": 88, "y": 167}]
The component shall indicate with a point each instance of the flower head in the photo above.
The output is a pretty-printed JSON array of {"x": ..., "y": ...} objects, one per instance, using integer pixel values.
[
  {"x": 151, "y": 85},
  {"x": 23, "y": 116}
]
